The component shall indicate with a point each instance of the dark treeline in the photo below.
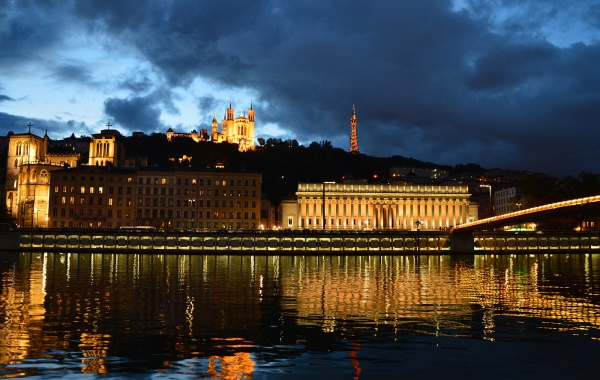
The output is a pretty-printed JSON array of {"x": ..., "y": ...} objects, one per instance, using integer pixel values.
[
  {"x": 285, "y": 163},
  {"x": 539, "y": 188}
]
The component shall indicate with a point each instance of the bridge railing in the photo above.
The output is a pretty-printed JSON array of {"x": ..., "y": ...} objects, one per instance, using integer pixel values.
[
  {"x": 588, "y": 242},
  {"x": 550, "y": 206},
  {"x": 408, "y": 241}
]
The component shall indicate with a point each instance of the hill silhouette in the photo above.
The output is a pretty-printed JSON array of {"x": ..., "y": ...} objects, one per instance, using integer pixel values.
[{"x": 283, "y": 164}]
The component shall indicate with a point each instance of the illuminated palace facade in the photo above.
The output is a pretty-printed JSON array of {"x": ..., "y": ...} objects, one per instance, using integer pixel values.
[{"x": 377, "y": 206}]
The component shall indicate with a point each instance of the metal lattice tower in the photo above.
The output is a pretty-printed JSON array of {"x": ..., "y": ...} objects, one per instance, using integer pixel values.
[{"x": 353, "y": 138}]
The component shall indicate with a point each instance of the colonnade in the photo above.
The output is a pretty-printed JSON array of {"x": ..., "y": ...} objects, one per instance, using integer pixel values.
[{"x": 400, "y": 207}]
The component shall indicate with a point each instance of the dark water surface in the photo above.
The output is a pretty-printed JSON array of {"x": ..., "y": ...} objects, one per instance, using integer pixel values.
[{"x": 276, "y": 317}]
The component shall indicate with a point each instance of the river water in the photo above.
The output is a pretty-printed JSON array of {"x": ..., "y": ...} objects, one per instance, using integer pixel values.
[{"x": 279, "y": 317}]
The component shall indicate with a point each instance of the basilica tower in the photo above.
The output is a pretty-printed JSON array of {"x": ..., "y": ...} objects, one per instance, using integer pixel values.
[
  {"x": 214, "y": 131},
  {"x": 236, "y": 130}
]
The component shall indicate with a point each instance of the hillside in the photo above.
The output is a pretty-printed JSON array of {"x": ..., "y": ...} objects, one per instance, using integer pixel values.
[{"x": 283, "y": 164}]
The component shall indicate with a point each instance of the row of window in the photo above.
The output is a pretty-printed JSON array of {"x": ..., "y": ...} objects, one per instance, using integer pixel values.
[
  {"x": 150, "y": 191},
  {"x": 23, "y": 148},
  {"x": 193, "y": 181},
  {"x": 90, "y": 213},
  {"x": 192, "y": 203},
  {"x": 100, "y": 224},
  {"x": 156, "y": 214},
  {"x": 93, "y": 178},
  {"x": 91, "y": 189},
  {"x": 170, "y": 214},
  {"x": 100, "y": 201},
  {"x": 192, "y": 191},
  {"x": 162, "y": 202}
]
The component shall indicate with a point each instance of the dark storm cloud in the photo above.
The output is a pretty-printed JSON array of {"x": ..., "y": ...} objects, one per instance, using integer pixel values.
[
  {"x": 480, "y": 84},
  {"x": 134, "y": 114},
  {"x": 11, "y": 123},
  {"x": 141, "y": 113},
  {"x": 313, "y": 66},
  {"x": 29, "y": 30},
  {"x": 5, "y": 98},
  {"x": 511, "y": 65},
  {"x": 137, "y": 83},
  {"x": 55, "y": 129},
  {"x": 425, "y": 79},
  {"x": 80, "y": 127},
  {"x": 73, "y": 72},
  {"x": 206, "y": 104},
  {"x": 166, "y": 98}
]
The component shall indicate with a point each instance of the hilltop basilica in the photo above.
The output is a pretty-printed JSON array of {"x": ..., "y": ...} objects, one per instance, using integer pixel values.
[{"x": 236, "y": 130}]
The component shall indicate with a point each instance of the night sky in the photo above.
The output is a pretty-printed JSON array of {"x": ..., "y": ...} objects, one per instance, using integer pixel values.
[{"x": 502, "y": 83}]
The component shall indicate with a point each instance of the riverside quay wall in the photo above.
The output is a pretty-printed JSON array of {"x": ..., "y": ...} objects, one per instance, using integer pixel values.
[{"x": 296, "y": 242}]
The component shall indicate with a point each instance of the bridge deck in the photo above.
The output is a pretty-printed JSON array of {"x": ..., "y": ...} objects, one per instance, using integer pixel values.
[{"x": 532, "y": 214}]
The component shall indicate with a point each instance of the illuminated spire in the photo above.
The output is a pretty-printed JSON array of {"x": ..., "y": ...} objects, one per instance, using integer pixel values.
[{"x": 353, "y": 138}]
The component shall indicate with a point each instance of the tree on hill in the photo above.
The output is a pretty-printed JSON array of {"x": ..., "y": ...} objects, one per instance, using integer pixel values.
[
  {"x": 468, "y": 168},
  {"x": 283, "y": 163}
]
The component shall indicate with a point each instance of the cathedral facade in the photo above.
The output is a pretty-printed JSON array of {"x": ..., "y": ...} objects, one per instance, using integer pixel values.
[
  {"x": 236, "y": 130},
  {"x": 27, "y": 182},
  {"x": 30, "y": 164}
]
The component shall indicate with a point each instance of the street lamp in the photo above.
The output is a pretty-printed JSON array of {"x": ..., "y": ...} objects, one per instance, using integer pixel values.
[
  {"x": 418, "y": 223},
  {"x": 323, "y": 205},
  {"x": 519, "y": 206}
]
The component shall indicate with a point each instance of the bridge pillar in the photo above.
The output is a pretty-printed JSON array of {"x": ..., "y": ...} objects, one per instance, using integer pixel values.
[{"x": 462, "y": 242}]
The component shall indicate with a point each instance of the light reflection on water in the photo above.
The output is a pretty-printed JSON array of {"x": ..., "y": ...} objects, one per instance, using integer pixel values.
[{"x": 218, "y": 316}]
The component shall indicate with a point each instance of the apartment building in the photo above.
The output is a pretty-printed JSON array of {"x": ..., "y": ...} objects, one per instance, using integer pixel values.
[
  {"x": 92, "y": 197},
  {"x": 111, "y": 197}
]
